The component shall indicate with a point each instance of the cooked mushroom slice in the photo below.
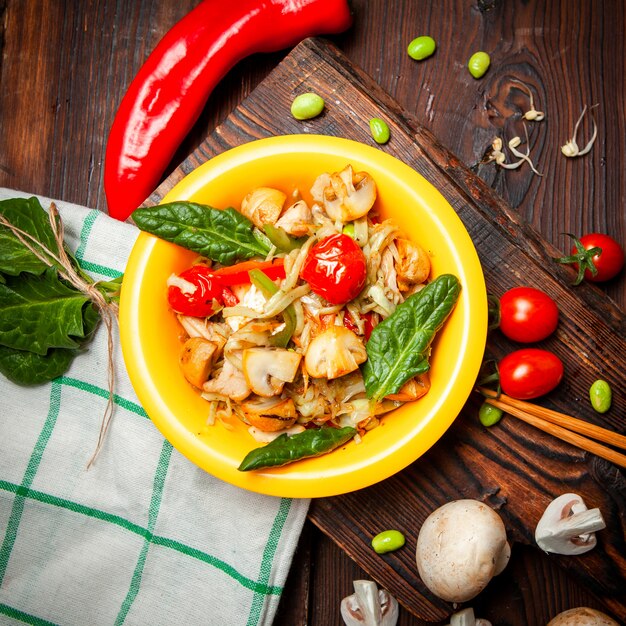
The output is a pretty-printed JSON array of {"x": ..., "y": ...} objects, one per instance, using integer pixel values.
[
  {"x": 197, "y": 359},
  {"x": 268, "y": 369},
  {"x": 334, "y": 352},
  {"x": 369, "y": 605},
  {"x": 568, "y": 527},
  {"x": 460, "y": 547},
  {"x": 413, "y": 389},
  {"x": 269, "y": 414},
  {"x": 412, "y": 265},
  {"x": 582, "y": 616},
  {"x": 230, "y": 382},
  {"x": 297, "y": 220},
  {"x": 263, "y": 205},
  {"x": 345, "y": 195}
]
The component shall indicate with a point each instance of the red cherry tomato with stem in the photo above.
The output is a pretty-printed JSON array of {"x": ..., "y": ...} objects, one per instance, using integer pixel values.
[
  {"x": 527, "y": 314},
  {"x": 596, "y": 256},
  {"x": 335, "y": 268},
  {"x": 530, "y": 373},
  {"x": 198, "y": 301}
]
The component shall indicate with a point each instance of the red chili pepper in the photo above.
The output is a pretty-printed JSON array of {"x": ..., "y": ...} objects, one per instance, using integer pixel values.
[{"x": 170, "y": 90}]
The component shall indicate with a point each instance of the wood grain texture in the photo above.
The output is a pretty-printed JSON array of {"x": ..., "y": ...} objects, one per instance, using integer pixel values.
[
  {"x": 494, "y": 466},
  {"x": 64, "y": 67}
]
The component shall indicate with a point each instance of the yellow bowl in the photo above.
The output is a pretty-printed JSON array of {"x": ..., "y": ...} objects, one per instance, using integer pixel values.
[{"x": 150, "y": 334}]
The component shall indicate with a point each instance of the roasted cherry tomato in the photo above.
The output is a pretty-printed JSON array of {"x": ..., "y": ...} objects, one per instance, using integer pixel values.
[
  {"x": 596, "y": 256},
  {"x": 527, "y": 314},
  {"x": 198, "y": 301},
  {"x": 335, "y": 268},
  {"x": 529, "y": 373}
]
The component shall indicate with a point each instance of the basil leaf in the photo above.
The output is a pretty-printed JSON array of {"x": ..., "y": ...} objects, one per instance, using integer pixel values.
[
  {"x": 40, "y": 312},
  {"x": 27, "y": 368},
  {"x": 399, "y": 347},
  {"x": 222, "y": 236},
  {"x": 28, "y": 215},
  {"x": 286, "y": 449}
]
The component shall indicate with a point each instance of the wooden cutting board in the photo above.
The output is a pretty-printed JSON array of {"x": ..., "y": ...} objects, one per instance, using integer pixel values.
[{"x": 514, "y": 468}]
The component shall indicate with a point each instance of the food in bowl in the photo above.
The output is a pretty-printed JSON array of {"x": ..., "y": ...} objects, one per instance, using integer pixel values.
[{"x": 307, "y": 321}]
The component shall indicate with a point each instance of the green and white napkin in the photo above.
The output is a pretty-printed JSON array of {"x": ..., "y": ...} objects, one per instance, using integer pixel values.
[{"x": 143, "y": 536}]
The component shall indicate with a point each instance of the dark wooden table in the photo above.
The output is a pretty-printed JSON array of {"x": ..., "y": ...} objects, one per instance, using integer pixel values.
[{"x": 65, "y": 66}]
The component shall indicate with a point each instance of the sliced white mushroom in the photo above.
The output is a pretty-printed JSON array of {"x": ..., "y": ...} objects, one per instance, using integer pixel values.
[
  {"x": 412, "y": 265},
  {"x": 197, "y": 359},
  {"x": 369, "y": 606},
  {"x": 263, "y": 205},
  {"x": 460, "y": 547},
  {"x": 345, "y": 195},
  {"x": 268, "y": 414},
  {"x": 268, "y": 369},
  {"x": 230, "y": 382},
  {"x": 466, "y": 618},
  {"x": 297, "y": 220},
  {"x": 334, "y": 352},
  {"x": 582, "y": 616},
  {"x": 568, "y": 527}
]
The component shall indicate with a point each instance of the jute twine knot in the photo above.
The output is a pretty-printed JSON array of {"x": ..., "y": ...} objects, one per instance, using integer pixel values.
[{"x": 108, "y": 310}]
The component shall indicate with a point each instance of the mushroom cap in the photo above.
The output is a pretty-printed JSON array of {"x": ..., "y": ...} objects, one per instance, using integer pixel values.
[
  {"x": 460, "y": 547},
  {"x": 582, "y": 616}
]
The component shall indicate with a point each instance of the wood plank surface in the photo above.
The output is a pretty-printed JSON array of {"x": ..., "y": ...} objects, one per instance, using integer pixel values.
[
  {"x": 64, "y": 67},
  {"x": 514, "y": 468}
]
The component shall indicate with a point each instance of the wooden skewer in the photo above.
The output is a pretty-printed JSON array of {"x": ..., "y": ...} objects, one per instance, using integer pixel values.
[{"x": 563, "y": 427}]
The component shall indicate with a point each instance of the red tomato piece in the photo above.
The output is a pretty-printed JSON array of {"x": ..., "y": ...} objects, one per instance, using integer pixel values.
[
  {"x": 608, "y": 262},
  {"x": 529, "y": 373},
  {"x": 368, "y": 325},
  {"x": 335, "y": 268},
  {"x": 527, "y": 314},
  {"x": 198, "y": 301},
  {"x": 239, "y": 274}
]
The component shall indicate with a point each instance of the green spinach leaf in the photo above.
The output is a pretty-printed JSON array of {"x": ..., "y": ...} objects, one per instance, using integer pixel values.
[
  {"x": 28, "y": 215},
  {"x": 222, "y": 236},
  {"x": 40, "y": 312},
  {"x": 399, "y": 347},
  {"x": 286, "y": 449},
  {"x": 27, "y": 368}
]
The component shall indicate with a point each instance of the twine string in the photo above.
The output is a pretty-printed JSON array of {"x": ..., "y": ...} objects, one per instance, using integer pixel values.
[{"x": 107, "y": 310}]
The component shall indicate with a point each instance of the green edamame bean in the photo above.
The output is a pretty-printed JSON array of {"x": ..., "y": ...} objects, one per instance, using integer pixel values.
[
  {"x": 387, "y": 541},
  {"x": 600, "y": 395},
  {"x": 379, "y": 130},
  {"x": 421, "y": 48},
  {"x": 489, "y": 415},
  {"x": 306, "y": 106},
  {"x": 478, "y": 64}
]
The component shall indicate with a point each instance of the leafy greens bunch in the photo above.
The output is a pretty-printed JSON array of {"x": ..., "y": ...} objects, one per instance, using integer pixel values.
[{"x": 49, "y": 308}]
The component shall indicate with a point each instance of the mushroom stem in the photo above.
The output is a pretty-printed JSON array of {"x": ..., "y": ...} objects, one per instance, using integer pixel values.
[{"x": 369, "y": 606}]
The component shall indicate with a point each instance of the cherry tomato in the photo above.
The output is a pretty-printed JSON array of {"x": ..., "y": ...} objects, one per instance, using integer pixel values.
[
  {"x": 529, "y": 373},
  {"x": 335, "y": 268},
  {"x": 527, "y": 314},
  {"x": 200, "y": 302},
  {"x": 596, "y": 256}
]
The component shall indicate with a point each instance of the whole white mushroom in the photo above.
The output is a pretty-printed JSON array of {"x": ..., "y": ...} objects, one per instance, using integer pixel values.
[
  {"x": 460, "y": 547},
  {"x": 582, "y": 616}
]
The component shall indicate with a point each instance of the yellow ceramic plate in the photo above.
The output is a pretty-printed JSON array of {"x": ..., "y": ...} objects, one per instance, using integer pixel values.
[{"x": 150, "y": 334}]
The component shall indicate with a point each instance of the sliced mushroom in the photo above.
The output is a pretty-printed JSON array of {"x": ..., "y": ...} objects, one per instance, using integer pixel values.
[
  {"x": 197, "y": 359},
  {"x": 230, "y": 382},
  {"x": 369, "y": 606},
  {"x": 269, "y": 414},
  {"x": 345, "y": 195},
  {"x": 460, "y": 547},
  {"x": 263, "y": 205},
  {"x": 334, "y": 352},
  {"x": 412, "y": 265},
  {"x": 297, "y": 220},
  {"x": 268, "y": 369},
  {"x": 413, "y": 389},
  {"x": 582, "y": 616},
  {"x": 568, "y": 527},
  {"x": 466, "y": 618}
]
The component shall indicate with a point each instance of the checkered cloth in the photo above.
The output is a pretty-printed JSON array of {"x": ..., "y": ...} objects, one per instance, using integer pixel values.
[{"x": 143, "y": 536}]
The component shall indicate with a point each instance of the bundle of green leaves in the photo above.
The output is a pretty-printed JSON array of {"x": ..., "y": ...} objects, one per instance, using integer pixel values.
[{"x": 47, "y": 313}]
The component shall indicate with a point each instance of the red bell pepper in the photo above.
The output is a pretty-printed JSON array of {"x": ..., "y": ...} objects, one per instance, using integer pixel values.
[
  {"x": 170, "y": 90},
  {"x": 240, "y": 273}
]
